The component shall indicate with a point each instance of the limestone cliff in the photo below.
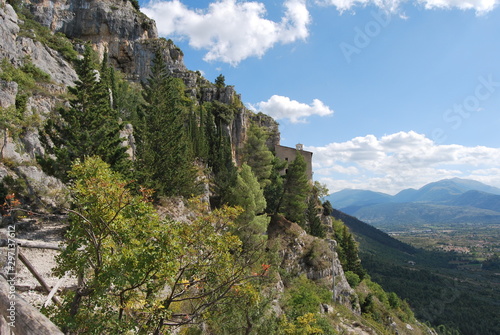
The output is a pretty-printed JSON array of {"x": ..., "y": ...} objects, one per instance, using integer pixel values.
[
  {"x": 316, "y": 258},
  {"x": 131, "y": 39},
  {"x": 16, "y": 48},
  {"x": 129, "y": 36}
]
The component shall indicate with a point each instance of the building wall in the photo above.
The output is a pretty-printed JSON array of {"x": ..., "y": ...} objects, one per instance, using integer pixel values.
[{"x": 288, "y": 154}]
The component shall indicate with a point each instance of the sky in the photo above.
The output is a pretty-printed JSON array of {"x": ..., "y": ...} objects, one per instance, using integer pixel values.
[{"x": 387, "y": 94}]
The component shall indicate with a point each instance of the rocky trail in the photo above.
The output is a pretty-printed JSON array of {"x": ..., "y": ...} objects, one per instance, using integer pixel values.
[{"x": 50, "y": 230}]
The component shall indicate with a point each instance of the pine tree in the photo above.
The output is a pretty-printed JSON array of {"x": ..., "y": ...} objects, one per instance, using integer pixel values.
[
  {"x": 164, "y": 158},
  {"x": 315, "y": 226},
  {"x": 90, "y": 127},
  {"x": 274, "y": 191},
  {"x": 220, "y": 81},
  {"x": 197, "y": 132},
  {"x": 252, "y": 223},
  {"x": 297, "y": 189},
  {"x": 257, "y": 155},
  {"x": 220, "y": 158},
  {"x": 350, "y": 250}
]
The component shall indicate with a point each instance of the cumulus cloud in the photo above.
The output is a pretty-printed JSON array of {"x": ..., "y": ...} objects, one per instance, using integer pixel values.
[
  {"x": 280, "y": 107},
  {"x": 401, "y": 160},
  {"x": 480, "y": 6},
  {"x": 230, "y": 30}
]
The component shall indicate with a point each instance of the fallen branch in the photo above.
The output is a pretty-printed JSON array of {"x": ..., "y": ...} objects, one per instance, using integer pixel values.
[{"x": 32, "y": 244}]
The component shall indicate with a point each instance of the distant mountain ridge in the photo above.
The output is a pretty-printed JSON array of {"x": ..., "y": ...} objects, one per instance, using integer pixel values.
[{"x": 446, "y": 201}]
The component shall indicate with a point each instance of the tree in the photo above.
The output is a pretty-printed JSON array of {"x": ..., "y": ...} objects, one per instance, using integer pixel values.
[
  {"x": 89, "y": 127},
  {"x": 164, "y": 158},
  {"x": 220, "y": 81},
  {"x": 135, "y": 4},
  {"x": 327, "y": 208},
  {"x": 274, "y": 190},
  {"x": 220, "y": 158},
  {"x": 314, "y": 208},
  {"x": 296, "y": 191},
  {"x": 349, "y": 249},
  {"x": 252, "y": 223},
  {"x": 113, "y": 244},
  {"x": 315, "y": 226},
  {"x": 257, "y": 155},
  {"x": 198, "y": 134},
  {"x": 137, "y": 272}
]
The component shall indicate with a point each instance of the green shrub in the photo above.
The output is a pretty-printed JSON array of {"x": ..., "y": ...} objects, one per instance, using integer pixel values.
[
  {"x": 305, "y": 296},
  {"x": 315, "y": 256},
  {"x": 31, "y": 69},
  {"x": 9, "y": 72},
  {"x": 352, "y": 278}
]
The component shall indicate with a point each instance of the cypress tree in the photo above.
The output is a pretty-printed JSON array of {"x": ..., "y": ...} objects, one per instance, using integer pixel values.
[
  {"x": 252, "y": 223},
  {"x": 350, "y": 249},
  {"x": 274, "y": 191},
  {"x": 220, "y": 158},
  {"x": 297, "y": 189},
  {"x": 258, "y": 156},
  {"x": 164, "y": 157},
  {"x": 90, "y": 127},
  {"x": 315, "y": 226}
]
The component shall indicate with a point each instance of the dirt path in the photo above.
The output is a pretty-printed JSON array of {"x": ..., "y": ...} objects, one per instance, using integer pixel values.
[{"x": 48, "y": 230}]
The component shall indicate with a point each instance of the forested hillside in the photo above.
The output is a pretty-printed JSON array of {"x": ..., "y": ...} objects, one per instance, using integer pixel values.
[
  {"x": 439, "y": 291},
  {"x": 178, "y": 216}
]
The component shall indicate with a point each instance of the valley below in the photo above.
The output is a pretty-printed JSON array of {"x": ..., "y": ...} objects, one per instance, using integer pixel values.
[{"x": 448, "y": 272}]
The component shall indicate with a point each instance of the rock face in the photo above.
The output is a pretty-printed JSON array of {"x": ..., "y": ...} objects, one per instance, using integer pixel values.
[
  {"x": 129, "y": 36},
  {"x": 131, "y": 40},
  {"x": 304, "y": 254},
  {"x": 16, "y": 48}
]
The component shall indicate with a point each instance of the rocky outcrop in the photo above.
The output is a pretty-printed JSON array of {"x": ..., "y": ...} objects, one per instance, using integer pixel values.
[
  {"x": 305, "y": 254},
  {"x": 19, "y": 152},
  {"x": 271, "y": 126},
  {"x": 129, "y": 36},
  {"x": 8, "y": 92},
  {"x": 17, "y": 48},
  {"x": 131, "y": 40}
]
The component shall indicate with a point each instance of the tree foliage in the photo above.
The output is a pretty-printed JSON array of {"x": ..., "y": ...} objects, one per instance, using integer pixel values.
[
  {"x": 257, "y": 155},
  {"x": 252, "y": 223},
  {"x": 274, "y": 191},
  {"x": 220, "y": 81},
  {"x": 220, "y": 157},
  {"x": 89, "y": 127},
  {"x": 347, "y": 250},
  {"x": 296, "y": 191},
  {"x": 138, "y": 272},
  {"x": 164, "y": 157}
]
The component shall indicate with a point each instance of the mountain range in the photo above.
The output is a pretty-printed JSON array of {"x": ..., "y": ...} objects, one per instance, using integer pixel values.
[{"x": 443, "y": 202}]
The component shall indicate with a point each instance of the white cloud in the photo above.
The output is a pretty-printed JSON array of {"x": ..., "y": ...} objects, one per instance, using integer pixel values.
[
  {"x": 480, "y": 6},
  {"x": 280, "y": 107},
  {"x": 402, "y": 160},
  {"x": 230, "y": 30},
  {"x": 343, "y": 5}
]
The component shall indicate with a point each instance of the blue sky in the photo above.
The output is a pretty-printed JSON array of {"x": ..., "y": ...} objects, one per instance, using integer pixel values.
[{"x": 387, "y": 94}]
